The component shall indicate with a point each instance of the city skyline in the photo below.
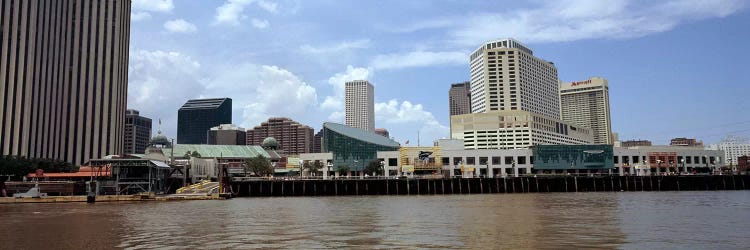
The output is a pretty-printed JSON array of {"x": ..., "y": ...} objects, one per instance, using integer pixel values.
[{"x": 413, "y": 65}]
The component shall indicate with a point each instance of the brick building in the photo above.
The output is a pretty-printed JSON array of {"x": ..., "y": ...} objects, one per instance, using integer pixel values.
[{"x": 293, "y": 138}]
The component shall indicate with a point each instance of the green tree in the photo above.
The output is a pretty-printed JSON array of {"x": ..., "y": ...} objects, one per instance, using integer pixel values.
[
  {"x": 342, "y": 169},
  {"x": 17, "y": 166},
  {"x": 259, "y": 166},
  {"x": 312, "y": 167},
  {"x": 373, "y": 168},
  {"x": 196, "y": 154}
]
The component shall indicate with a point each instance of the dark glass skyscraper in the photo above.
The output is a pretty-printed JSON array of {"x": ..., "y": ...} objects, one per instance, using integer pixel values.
[{"x": 197, "y": 116}]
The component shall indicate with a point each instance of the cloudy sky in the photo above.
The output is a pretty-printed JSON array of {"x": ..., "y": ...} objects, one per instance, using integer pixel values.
[{"x": 675, "y": 68}]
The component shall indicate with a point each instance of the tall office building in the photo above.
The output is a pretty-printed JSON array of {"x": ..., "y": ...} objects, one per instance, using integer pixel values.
[
  {"x": 733, "y": 147},
  {"x": 317, "y": 146},
  {"x": 293, "y": 138},
  {"x": 137, "y": 132},
  {"x": 586, "y": 103},
  {"x": 227, "y": 134},
  {"x": 505, "y": 75},
  {"x": 514, "y": 101},
  {"x": 197, "y": 116},
  {"x": 459, "y": 98},
  {"x": 63, "y": 78},
  {"x": 360, "y": 105}
]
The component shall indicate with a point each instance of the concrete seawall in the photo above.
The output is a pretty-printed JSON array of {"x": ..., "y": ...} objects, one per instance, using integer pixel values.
[{"x": 528, "y": 184}]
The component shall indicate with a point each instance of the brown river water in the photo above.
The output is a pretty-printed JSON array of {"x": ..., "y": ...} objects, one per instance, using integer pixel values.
[{"x": 628, "y": 220}]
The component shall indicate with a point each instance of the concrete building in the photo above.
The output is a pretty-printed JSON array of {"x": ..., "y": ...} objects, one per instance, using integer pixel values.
[
  {"x": 459, "y": 98},
  {"x": 63, "y": 78},
  {"x": 514, "y": 129},
  {"x": 733, "y": 147},
  {"x": 197, "y": 116},
  {"x": 515, "y": 102},
  {"x": 137, "y": 132},
  {"x": 635, "y": 143},
  {"x": 383, "y": 132},
  {"x": 505, "y": 75},
  {"x": 227, "y": 134},
  {"x": 292, "y": 137},
  {"x": 586, "y": 159},
  {"x": 586, "y": 103},
  {"x": 685, "y": 142},
  {"x": 360, "y": 105}
]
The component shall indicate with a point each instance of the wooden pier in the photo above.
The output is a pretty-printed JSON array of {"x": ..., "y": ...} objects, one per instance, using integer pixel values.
[{"x": 526, "y": 184}]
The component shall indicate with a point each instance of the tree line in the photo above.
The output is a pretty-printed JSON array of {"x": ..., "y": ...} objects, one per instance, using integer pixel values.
[{"x": 19, "y": 166}]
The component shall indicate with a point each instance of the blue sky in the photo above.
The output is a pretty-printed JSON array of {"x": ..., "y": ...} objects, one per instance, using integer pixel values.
[{"x": 675, "y": 68}]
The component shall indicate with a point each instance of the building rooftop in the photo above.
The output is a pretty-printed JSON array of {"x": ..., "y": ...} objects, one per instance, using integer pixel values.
[
  {"x": 216, "y": 151},
  {"x": 211, "y": 103},
  {"x": 504, "y": 43},
  {"x": 360, "y": 134}
]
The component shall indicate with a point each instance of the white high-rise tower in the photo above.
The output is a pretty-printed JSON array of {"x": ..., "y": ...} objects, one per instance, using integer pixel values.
[
  {"x": 515, "y": 101},
  {"x": 505, "y": 75},
  {"x": 586, "y": 103},
  {"x": 360, "y": 105}
]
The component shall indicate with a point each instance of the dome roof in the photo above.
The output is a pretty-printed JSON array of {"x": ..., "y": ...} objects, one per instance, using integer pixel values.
[
  {"x": 160, "y": 140},
  {"x": 270, "y": 142}
]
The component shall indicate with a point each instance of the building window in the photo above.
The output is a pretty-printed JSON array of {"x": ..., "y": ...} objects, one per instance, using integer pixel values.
[
  {"x": 496, "y": 160},
  {"x": 470, "y": 160},
  {"x": 446, "y": 161},
  {"x": 508, "y": 160},
  {"x": 483, "y": 161},
  {"x": 521, "y": 160},
  {"x": 392, "y": 162}
]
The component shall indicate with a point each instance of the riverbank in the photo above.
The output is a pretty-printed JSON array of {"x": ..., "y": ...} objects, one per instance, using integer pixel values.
[
  {"x": 526, "y": 184},
  {"x": 107, "y": 198}
]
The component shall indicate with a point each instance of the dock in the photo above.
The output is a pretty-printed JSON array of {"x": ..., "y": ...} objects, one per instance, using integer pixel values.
[
  {"x": 108, "y": 198},
  {"x": 525, "y": 184}
]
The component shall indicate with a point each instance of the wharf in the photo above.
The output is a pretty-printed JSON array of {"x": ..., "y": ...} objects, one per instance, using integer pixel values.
[
  {"x": 524, "y": 184},
  {"x": 108, "y": 198}
]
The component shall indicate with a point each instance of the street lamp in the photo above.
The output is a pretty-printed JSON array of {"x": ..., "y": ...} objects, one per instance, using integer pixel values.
[{"x": 683, "y": 164}]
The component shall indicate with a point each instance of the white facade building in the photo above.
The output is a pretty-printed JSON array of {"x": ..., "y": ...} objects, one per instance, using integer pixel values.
[
  {"x": 505, "y": 75},
  {"x": 360, "y": 105},
  {"x": 586, "y": 103},
  {"x": 515, "y": 162},
  {"x": 733, "y": 148},
  {"x": 514, "y": 129},
  {"x": 515, "y": 101}
]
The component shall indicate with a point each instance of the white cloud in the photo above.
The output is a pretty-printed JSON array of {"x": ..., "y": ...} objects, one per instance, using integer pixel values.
[
  {"x": 160, "y": 82},
  {"x": 268, "y": 6},
  {"x": 401, "y": 118},
  {"x": 139, "y": 16},
  {"x": 397, "y": 117},
  {"x": 336, "y": 48},
  {"x": 232, "y": 11},
  {"x": 570, "y": 20},
  {"x": 153, "y": 5},
  {"x": 261, "y": 91},
  {"x": 419, "y": 59},
  {"x": 180, "y": 26},
  {"x": 260, "y": 24},
  {"x": 335, "y": 102}
]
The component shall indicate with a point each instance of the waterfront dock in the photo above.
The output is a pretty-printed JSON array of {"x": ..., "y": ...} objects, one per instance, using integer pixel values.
[
  {"x": 525, "y": 184},
  {"x": 108, "y": 198}
]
